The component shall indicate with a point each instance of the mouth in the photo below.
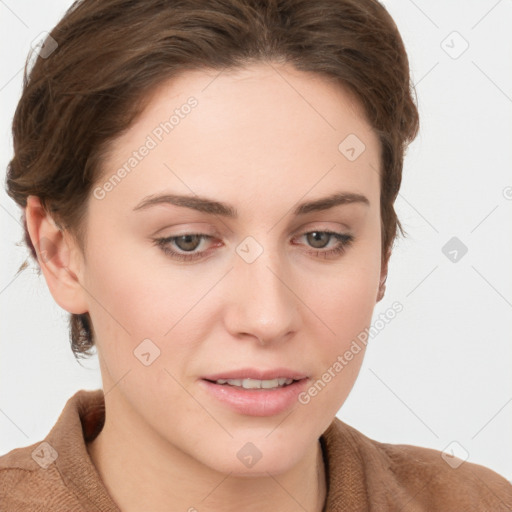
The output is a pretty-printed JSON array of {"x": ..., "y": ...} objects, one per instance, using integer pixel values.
[
  {"x": 254, "y": 392},
  {"x": 255, "y": 384}
]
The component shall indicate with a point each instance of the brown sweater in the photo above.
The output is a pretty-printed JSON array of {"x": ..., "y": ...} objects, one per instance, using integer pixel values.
[{"x": 362, "y": 474}]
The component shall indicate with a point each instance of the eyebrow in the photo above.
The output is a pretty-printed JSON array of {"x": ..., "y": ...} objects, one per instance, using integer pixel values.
[{"x": 206, "y": 205}]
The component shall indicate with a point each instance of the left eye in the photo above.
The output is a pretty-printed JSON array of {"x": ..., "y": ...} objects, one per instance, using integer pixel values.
[
  {"x": 343, "y": 242},
  {"x": 189, "y": 242}
]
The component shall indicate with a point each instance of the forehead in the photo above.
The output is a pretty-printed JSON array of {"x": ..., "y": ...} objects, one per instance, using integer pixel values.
[
  {"x": 257, "y": 94},
  {"x": 262, "y": 129}
]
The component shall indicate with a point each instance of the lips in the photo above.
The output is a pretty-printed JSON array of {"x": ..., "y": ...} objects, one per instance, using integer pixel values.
[
  {"x": 255, "y": 391},
  {"x": 261, "y": 401},
  {"x": 257, "y": 374},
  {"x": 256, "y": 383}
]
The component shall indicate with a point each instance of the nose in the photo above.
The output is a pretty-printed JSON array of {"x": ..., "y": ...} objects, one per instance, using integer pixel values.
[{"x": 264, "y": 302}]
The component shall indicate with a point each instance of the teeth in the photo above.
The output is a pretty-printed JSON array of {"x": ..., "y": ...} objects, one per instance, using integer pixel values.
[{"x": 255, "y": 383}]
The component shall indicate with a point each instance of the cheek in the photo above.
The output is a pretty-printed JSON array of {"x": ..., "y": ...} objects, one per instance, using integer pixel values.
[
  {"x": 137, "y": 298},
  {"x": 345, "y": 303},
  {"x": 354, "y": 301},
  {"x": 347, "y": 299},
  {"x": 126, "y": 292},
  {"x": 347, "y": 313},
  {"x": 346, "y": 310}
]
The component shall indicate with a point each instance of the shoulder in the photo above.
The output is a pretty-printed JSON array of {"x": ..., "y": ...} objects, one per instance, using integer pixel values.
[
  {"x": 439, "y": 480},
  {"x": 56, "y": 472},
  {"x": 424, "y": 478},
  {"x": 28, "y": 478}
]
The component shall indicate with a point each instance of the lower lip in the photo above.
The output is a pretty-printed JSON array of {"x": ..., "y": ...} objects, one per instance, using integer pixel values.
[{"x": 256, "y": 402}]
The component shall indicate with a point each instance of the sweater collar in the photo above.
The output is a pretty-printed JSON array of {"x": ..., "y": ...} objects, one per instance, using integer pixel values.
[
  {"x": 83, "y": 418},
  {"x": 345, "y": 469},
  {"x": 79, "y": 422}
]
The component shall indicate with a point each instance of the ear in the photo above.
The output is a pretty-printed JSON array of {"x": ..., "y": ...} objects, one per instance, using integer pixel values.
[
  {"x": 58, "y": 258},
  {"x": 383, "y": 276}
]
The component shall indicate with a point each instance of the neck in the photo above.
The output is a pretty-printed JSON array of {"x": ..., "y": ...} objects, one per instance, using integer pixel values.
[{"x": 139, "y": 475}]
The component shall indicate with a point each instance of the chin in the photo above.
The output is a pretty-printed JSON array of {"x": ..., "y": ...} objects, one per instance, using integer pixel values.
[
  {"x": 257, "y": 456},
  {"x": 275, "y": 464}
]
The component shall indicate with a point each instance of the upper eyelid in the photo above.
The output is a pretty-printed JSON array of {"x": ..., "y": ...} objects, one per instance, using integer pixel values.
[
  {"x": 217, "y": 235},
  {"x": 207, "y": 237}
]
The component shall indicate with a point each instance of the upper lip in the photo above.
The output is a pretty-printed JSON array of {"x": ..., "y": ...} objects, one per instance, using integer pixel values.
[{"x": 255, "y": 373}]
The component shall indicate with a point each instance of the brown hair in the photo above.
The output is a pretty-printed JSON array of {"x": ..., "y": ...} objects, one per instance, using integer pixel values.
[{"x": 109, "y": 55}]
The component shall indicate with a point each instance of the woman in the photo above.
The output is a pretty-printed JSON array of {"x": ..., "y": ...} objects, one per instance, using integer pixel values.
[{"x": 208, "y": 187}]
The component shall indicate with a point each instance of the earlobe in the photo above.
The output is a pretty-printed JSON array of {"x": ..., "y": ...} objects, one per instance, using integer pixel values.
[{"x": 54, "y": 252}]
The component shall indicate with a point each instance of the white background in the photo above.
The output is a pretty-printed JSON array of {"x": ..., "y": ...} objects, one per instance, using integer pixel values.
[{"x": 441, "y": 370}]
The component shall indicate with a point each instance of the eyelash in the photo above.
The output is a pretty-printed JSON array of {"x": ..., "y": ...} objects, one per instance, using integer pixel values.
[{"x": 344, "y": 241}]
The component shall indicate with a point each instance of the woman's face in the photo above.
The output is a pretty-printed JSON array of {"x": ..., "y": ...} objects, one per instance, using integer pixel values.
[{"x": 264, "y": 295}]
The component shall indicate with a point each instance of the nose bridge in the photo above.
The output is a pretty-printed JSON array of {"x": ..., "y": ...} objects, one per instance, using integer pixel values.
[{"x": 264, "y": 305}]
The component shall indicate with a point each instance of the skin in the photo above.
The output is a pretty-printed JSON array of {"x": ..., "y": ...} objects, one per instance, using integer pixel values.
[{"x": 262, "y": 139}]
